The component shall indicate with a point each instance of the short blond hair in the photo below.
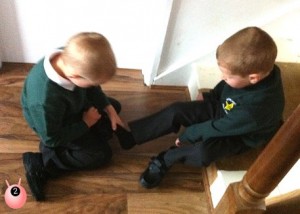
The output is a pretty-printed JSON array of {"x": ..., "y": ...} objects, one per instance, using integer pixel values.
[
  {"x": 91, "y": 55},
  {"x": 250, "y": 50}
]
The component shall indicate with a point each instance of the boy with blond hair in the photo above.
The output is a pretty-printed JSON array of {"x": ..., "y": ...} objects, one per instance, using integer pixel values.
[
  {"x": 243, "y": 111},
  {"x": 63, "y": 103}
]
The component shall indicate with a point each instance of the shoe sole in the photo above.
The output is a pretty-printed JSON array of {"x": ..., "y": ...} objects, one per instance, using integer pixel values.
[
  {"x": 146, "y": 184},
  {"x": 37, "y": 194}
]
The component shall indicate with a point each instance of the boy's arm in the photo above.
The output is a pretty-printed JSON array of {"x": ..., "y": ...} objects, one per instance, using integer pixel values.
[
  {"x": 51, "y": 129},
  {"x": 114, "y": 117},
  {"x": 97, "y": 98},
  {"x": 233, "y": 124}
]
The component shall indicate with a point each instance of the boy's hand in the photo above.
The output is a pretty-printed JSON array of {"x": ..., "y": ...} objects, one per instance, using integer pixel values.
[
  {"x": 200, "y": 97},
  {"x": 114, "y": 117},
  {"x": 178, "y": 143},
  {"x": 91, "y": 116}
]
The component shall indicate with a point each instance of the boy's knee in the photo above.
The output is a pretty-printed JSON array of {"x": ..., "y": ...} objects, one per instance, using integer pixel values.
[
  {"x": 102, "y": 158},
  {"x": 179, "y": 116},
  {"x": 175, "y": 109},
  {"x": 176, "y": 106},
  {"x": 96, "y": 158}
]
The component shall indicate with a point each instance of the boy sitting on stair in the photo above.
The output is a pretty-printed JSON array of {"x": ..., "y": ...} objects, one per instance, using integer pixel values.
[{"x": 243, "y": 111}]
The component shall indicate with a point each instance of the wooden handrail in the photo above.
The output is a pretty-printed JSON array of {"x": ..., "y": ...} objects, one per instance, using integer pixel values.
[{"x": 278, "y": 157}]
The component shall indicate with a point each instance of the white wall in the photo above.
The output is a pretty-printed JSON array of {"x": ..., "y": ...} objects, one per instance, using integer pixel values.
[
  {"x": 164, "y": 38},
  {"x": 155, "y": 37},
  {"x": 0, "y": 56},
  {"x": 284, "y": 33},
  {"x": 31, "y": 28},
  {"x": 197, "y": 27}
]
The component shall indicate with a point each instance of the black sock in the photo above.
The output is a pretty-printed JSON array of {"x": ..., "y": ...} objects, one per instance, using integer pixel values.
[{"x": 125, "y": 138}]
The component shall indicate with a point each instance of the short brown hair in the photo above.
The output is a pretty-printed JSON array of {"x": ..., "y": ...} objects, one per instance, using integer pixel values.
[
  {"x": 250, "y": 50},
  {"x": 91, "y": 55}
]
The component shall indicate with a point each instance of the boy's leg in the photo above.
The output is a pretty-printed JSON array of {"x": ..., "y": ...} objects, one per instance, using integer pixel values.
[
  {"x": 171, "y": 118},
  {"x": 85, "y": 153},
  {"x": 88, "y": 152},
  {"x": 104, "y": 131},
  {"x": 204, "y": 153},
  {"x": 200, "y": 154}
]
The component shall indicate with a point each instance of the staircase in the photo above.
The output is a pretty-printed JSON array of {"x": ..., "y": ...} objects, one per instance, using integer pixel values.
[
  {"x": 115, "y": 188},
  {"x": 111, "y": 189},
  {"x": 286, "y": 196}
]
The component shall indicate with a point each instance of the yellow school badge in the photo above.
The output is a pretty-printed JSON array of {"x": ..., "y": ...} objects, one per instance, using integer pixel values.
[{"x": 228, "y": 105}]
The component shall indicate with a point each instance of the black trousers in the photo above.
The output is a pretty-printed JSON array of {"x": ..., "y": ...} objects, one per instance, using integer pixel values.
[
  {"x": 178, "y": 114},
  {"x": 87, "y": 152}
]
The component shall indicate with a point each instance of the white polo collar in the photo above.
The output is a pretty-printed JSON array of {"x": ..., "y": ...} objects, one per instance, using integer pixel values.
[{"x": 53, "y": 75}]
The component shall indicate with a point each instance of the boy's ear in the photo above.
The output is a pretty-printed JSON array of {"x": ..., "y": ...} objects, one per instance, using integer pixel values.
[{"x": 254, "y": 78}]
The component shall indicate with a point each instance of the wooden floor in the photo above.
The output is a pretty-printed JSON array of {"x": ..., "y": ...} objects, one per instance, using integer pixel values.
[{"x": 114, "y": 188}]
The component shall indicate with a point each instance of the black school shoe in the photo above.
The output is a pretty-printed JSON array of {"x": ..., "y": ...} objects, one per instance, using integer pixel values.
[
  {"x": 155, "y": 172},
  {"x": 125, "y": 138},
  {"x": 35, "y": 174}
]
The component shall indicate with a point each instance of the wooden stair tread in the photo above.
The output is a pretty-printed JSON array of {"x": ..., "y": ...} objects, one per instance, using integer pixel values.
[
  {"x": 121, "y": 175},
  {"x": 18, "y": 146},
  {"x": 176, "y": 203},
  {"x": 239, "y": 162},
  {"x": 112, "y": 189},
  {"x": 136, "y": 105},
  {"x": 116, "y": 203},
  {"x": 79, "y": 203}
]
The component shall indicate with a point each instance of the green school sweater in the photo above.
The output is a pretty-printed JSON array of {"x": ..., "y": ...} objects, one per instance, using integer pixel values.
[
  {"x": 253, "y": 112},
  {"x": 55, "y": 113}
]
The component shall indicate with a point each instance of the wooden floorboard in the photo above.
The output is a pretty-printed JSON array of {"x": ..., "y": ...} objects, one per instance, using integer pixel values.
[
  {"x": 76, "y": 203},
  {"x": 166, "y": 203},
  {"x": 120, "y": 175},
  {"x": 115, "y": 187}
]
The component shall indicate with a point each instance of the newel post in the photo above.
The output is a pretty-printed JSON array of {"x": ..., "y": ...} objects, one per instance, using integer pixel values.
[{"x": 266, "y": 172}]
